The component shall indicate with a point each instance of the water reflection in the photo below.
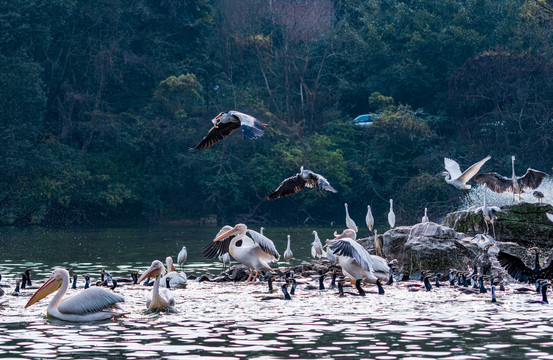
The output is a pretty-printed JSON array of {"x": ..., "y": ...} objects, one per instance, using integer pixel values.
[{"x": 229, "y": 321}]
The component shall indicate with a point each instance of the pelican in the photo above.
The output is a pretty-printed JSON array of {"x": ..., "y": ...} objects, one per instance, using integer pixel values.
[
  {"x": 183, "y": 255},
  {"x": 296, "y": 183},
  {"x": 391, "y": 215},
  {"x": 500, "y": 184},
  {"x": 425, "y": 217},
  {"x": 288, "y": 253},
  {"x": 454, "y": 176},
  {"x": 549, "y": 216},
  {"x": 316, "y": 246},
  {"x": 177, "y": 279},
  {"x": 369, "y": 219},
  {"x": 226, "y": 123},
  {"x": 159, "y": 298},
  {"x": 255, "y": 252},
  {"x": 349, "y": 221},
  {"x": 88, "y": 305},
  {"x": 356, "y": 262}
]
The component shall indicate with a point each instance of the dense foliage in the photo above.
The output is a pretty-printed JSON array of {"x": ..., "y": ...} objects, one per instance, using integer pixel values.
[{"x": 100, "y": 102}]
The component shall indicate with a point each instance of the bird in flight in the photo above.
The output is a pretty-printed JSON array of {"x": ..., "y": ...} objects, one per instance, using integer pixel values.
[{"x": 296, "y": 183}]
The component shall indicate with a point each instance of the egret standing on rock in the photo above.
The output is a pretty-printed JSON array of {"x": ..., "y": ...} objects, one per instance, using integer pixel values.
[
  {"x": 226, "y": 123},
  {"x": 255, "y": 252},
  {"x": 288, "y": 253},
  {"x": 500, "y": 184},
  {"x": 425, "y": 217},
  {"x": 349, "y": 221},
  {"x": 296, "y": 183},
  {"x": 454, "y": 176},
  {"x": 369, "y": 219},
  {"x": 391, "y": 215}
]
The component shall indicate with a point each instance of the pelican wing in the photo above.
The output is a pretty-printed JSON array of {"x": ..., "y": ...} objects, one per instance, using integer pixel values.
[
  {"x": 321, "y": 182},
  {"x": 473, "y": 169},
  {"x": 264, "y": 243},
  {"x": 348, "y": 247},
  {"x": 549, "y": 216},
  {"x": 532, "y": 179},
  {"x": 452, "y": 167},
  {"x": 252, "y": 129},
  {"x": 289, "y": 186},
  {"x": 514, "y": 266},
  {"x": 217, "y": 248},
  {"x": 89, "y": 301},
  {"x": 217, "y": 134},
  {"x": 495, "y": 182}
]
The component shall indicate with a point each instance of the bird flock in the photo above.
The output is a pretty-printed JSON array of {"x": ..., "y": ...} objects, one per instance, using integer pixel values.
[{"x": 348, "y": 259}]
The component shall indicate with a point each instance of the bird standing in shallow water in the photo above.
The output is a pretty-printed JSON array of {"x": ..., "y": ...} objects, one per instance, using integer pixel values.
[
  {"x": 182, "y": 256},
  {"x": 226, "y": 123},
  {"x": 288, "y": 252},
  {"x": 159, "y": 298},
  {"x": 316, "y": 246}
]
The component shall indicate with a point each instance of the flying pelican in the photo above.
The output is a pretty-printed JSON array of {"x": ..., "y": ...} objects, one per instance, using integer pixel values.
[
  {"x": 425, "y": 217},
  {"x": 316, "y": 246},
  {"x": 500, "y": 184},
  {"x": 356, "y": 262},
  {"x": 349, "y": 221},
  {"x": 159, "y": 298},
  {"x": 391, "y": 215},
  {"x": 369, "y": 219},
  {"x": 255, "y": 252},
  {"x": 88, "y": 305},
  {"x": 288, "y": 253},
  {"x": 177, "y": 279},
  {"x": 183, "y": 255},
  {"x": 296, "y": 183},
  {"x": 226, "y": 123},
  {"x": 454, "y": 176}
]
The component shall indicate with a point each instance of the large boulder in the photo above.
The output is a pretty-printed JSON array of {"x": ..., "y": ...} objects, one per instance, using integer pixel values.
[{"x": 524, "y": 223}]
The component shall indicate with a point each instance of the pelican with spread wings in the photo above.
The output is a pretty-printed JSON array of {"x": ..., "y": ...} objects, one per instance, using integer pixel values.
[
  {"x": 454, "y": 176},
  {"x": 296, "y": 183}
]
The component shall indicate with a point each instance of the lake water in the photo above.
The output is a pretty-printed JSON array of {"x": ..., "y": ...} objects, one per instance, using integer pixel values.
[{"x": 230, "y": 321}]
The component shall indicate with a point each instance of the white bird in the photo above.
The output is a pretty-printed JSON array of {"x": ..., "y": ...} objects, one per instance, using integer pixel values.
[
  {"x": 225, "y": 259},
  {"x": 226, "y": 123},
  {"x": 349, "y": 221},
  {"x": 377, "y": 247},
  {"x": 255, "y": 252},
  {"x": 356, "y": 262},
  {"x": 89, "y": 305},
  {"x": 296, "y": 183},
  {"x": 159, "y": 298},
  {"x": 454, "y": 176},
  {"x": 316, "y": 246},
  {"x": 500, "y": 184},
  {"x": 288, "y": 253},
  {"x": 369, "y": 219},
  {"x": 183, "y": 255},
  {"x": 549, "y": 216},
  {"x": 425, "y": 217},
  {"x": 331, "y": 256},
  {"x": 177, "y": 280},
  {"x": 391, "y": 215}
]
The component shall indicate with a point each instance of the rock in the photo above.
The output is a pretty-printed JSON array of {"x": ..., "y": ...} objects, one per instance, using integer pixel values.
[
  {"x": 239, "y": 272},
  {"x": 523, "y": 223},
  {"x": 204, "y": 278}
]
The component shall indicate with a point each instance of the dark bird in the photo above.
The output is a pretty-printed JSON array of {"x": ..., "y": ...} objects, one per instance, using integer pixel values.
[
  {"x": 226, "y": 123},
  {"x": 284, "y": 289},
  {"x": 494, "y": 299},
  {"x": 515, "y": 184},
  {"x": 519, "y": 271},
  {"x": 543, "y": 300},
  {"x": 321, "y": 284},
  {"x": 74, "y": 283},
  {"x": 538, "y": 195},
  {"x": 28, "y": 273},
  {"x": 296, "y": 183},
  {"x": 87, "y": 281},
  {"x": 16, "y": 291},
  {"x": 270, "y": 283}
]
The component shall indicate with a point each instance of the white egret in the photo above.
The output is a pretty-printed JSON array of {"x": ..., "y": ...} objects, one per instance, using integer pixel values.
[
  {"x": 183, "y": 255},
  {"x": 369, "y": 219},
  {"x": 425, "y": 217},
  {"x": 288, "y": 253},
  {"x": 316, "y": 246},
  {"x": 391, "y": 215}
]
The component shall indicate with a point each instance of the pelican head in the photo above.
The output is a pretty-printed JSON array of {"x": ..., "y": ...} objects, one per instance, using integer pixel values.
[
  {"x": 155, "y": 270},
  {"x": 238, "y": 229},
  {"x": 217, "y": 119},
  {"x": 51, "y": 285},
  {"x": 169, "y": 262},
  {"x": 315, "y": 232},
  {"x": 347, "y": 233}
]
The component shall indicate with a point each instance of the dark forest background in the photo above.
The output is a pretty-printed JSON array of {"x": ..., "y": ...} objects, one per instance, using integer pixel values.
[{"x": 101, "y": 100}]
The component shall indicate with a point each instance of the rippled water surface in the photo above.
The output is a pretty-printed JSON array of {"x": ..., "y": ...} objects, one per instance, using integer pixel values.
[{"x": 229, "y": 320}]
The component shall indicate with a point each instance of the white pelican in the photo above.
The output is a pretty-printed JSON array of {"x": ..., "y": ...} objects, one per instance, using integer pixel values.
[
  {"x": 294, "y": 184},
  {"x": 349, "y": 221},
  {"x": 159, "y": 298},
  {"x": 178, "y": 280},
  {"x": 454, "y": 176},
  {"x": 288, "y": 253},
  {"x": 391, "y": 215},
  {"x": 226, "y": 123},
  {"x": 183, "y": 255},
  {"x": 369, "y": 219},
  {"x": 88, "y": 305},
  {"x": 255, "y": 252},
  {"x": 356, "y": 262},
  {"x": 425, "y": 217},
  {"x": 316, "y": 246},
  {"x": 500, "y": 184}
]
